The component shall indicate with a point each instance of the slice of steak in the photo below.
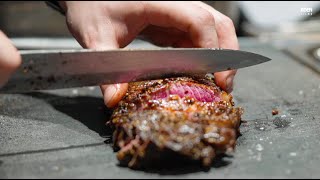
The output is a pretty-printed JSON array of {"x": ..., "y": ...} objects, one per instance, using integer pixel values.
[{"x": 187, "y": 117}]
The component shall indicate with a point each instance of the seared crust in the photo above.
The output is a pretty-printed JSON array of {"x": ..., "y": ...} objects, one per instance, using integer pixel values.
[{"x": 183, "y": 125}]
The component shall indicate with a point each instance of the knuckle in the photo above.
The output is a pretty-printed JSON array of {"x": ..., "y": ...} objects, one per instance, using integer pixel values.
[
  {"x": 206, "y": 17},
  {"x": 227, "y": 23},
  {"x": 89, "y": 39}
]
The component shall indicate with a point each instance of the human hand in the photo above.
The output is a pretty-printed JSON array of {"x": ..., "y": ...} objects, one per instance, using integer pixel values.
[
  {"x": 112, "y": 25},
  {"x": 10, "y": 58}
]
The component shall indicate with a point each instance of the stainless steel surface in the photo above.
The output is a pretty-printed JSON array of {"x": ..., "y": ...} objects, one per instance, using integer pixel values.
[{"x": 55, "y": 69}]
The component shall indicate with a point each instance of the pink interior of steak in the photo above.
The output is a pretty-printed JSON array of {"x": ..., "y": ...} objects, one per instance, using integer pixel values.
[{"x": 195, "y": 91}]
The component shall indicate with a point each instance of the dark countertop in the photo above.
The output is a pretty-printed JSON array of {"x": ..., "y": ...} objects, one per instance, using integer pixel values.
[{"x": 61, "y": 134}]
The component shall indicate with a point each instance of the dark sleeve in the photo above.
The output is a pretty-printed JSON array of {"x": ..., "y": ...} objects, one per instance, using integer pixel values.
[{"x": 55, "y": 5}]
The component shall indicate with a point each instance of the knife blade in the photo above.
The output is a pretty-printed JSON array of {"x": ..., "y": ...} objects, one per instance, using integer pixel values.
[{"x": 57, "y": 69}]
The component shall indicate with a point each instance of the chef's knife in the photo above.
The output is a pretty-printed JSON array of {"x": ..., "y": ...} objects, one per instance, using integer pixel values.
[{"x": 56, "y": 69}]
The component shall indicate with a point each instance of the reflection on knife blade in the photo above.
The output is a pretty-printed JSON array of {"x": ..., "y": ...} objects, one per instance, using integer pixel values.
[{"x": 42, "y": 70}]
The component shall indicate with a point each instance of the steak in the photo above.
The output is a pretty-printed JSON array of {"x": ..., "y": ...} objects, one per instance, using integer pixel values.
[{"x": 189, "y": 117}]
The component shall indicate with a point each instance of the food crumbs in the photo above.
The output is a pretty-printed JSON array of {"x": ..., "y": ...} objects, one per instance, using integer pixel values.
[{"x": 275, "y": 112}]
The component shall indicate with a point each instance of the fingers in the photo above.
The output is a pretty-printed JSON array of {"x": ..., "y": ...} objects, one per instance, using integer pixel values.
[
  {"x": 112, "y": 25},
  {"x": 95, "y": 30},
  {"x": 225, "y": 29},
  {"x": 205, "y": 26},
  {"x": 167, "y": 37},
  {"x": 227, "y": 40},
  {"x": 93, "y": 35},
  {"x": 113, "y": 93},
  {"x": 197, "y": 23},
  {"x": 10, "y": 58},
  {"x": 225, "y": 80},
  {"x": 104, "y": 24}
]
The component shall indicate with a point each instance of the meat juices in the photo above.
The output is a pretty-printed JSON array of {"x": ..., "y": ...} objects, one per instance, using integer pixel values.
[{"x": 188, "y": 117}]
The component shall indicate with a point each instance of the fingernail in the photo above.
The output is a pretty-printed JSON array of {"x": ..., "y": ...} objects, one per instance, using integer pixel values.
[
  {"x": 109, "y": 93},
  {"x": 230, "y": 83}
]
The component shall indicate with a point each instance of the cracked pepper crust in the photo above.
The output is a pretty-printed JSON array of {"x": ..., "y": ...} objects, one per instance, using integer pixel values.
[{"x": 149, "y": 126}]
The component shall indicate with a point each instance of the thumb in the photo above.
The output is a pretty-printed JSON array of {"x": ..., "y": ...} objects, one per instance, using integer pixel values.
[{"x": 113, "y": 93}]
